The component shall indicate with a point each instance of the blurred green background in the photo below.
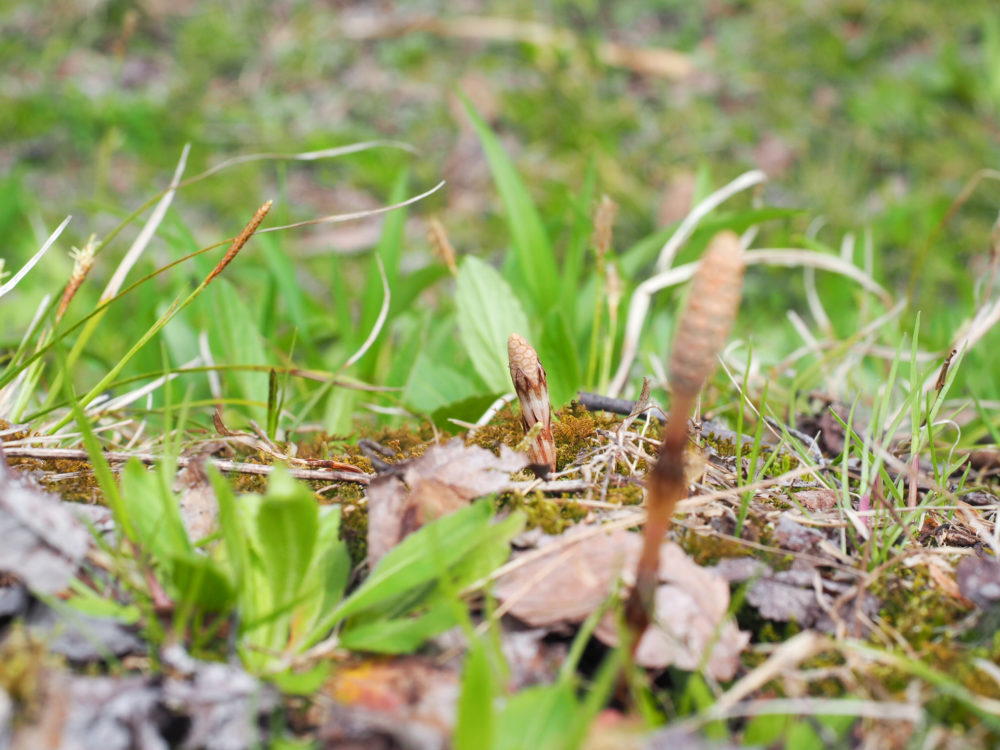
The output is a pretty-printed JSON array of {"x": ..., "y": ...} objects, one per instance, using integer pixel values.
[{"x": 866, "y": 116}]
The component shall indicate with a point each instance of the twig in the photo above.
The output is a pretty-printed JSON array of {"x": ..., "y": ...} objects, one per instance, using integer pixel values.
[{"x": 73, "y": 454}]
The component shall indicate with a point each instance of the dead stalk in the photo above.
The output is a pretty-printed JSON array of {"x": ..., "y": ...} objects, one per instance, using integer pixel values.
[
  {"x": 533, "y": 392},
  {"x": 701, "y": 334}
]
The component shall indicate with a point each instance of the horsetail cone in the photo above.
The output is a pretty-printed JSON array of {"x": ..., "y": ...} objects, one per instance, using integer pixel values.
[
  {"x": 532, "y": 389},
  {"x": 711, "y": 307}
]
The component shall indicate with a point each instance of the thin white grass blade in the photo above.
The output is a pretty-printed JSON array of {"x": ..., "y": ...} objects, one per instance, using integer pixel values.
[
  {"x": 16, "y": 278},
  {"x": 214, "y": 381},
  {"x": 12, "y": 401},
  {"x": 326, "y": 153},
  {"x": 800, "y": 257},
  {"x": 338, "y": 218},
  {"x": 147, "y": 232},
  {"x": 794, "y": 257},
  {"x": 127, "y": 398},
  {"x": 699, "y": 212},
  {"x": 379, "y": 322}
]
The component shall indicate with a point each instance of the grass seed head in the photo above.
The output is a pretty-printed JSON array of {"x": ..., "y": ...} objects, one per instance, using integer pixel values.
[
  {"x": 532, "y": 389},
  {"x": 83, "y": 261},
  {"x": 708, "y": 316}
]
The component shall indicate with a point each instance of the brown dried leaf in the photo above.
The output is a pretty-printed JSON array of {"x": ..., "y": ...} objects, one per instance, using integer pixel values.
[
  {"x": 199, "y": 508},
  {"x": 446, "y": 478},
  {"x": 405, "y": 702},
  {"x": 979, "y": 580},
  {"x": 792, "y": 535},
  {"x": 817, "y": 499},
  {"x": 42, "y": 541},
  {"x": 570, "y": 581},
  {"x": 689, "y": 620}
]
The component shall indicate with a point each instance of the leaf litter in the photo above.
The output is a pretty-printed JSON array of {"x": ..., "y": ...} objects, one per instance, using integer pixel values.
[{"x": 546, "y": 590}]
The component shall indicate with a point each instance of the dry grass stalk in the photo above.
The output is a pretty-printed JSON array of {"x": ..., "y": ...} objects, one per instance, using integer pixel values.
[
  {"x": 701, "y": 334},
  {"x": 533, "y": 392},
  {"x": 441, "y": 245},
  {"x": 604, "y": 223},
  {"x": 83, "y": 261},
  {"x": 238, "y": 243}
]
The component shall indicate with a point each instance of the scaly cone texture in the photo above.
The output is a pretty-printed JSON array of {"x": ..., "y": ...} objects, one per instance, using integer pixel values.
[
  {"x": 704, "y": 326},
  {"x": 533, "y": 392}
]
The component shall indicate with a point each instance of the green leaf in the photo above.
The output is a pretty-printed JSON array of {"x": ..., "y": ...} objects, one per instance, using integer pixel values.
[
  {"x": 476, "y": 717},
  {"x": 287, "y": 526},
  {"x": 488, "y": 312},
  {"x": 531, "y": 243},
  {"x": 537, "y": 717},
  {"x": 326, "y": 578},
  {"x": 302, "y": 683},
  {"x": 400, "y": 635},
  {"x": 421, "y": 557},
  {"x": 155, "y": 518},
  {"x": 432, "y": 385},
  {"x": 198, "y": 580},
  {"x": 282, "y": 271},
  {"x": 231, "y": 526},
  {"x": 466, "y": 410},
  {"x": 559, "y": 357},
  {"x": 237, "y": 341}
]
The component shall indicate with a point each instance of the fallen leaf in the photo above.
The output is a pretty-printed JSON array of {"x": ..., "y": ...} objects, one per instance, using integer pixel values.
[
  {"x": 198, "y": 705},
  {"x": 568, "y": 582},
  {"x": 43, "y": 542},
  {"x": 979, "y": 580},
  {"x": 389, "y": 703},
  {"x": 690, "y": 620},
  {"x": 816, "y": 499},
  {"x": 792, "y": 535},
  {"x": 199, "y": 508},
  {"x": 446, "y": 478}
]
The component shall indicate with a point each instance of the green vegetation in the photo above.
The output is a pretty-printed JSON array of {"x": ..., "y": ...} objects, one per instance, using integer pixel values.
[{"x": 877, "y": 252}]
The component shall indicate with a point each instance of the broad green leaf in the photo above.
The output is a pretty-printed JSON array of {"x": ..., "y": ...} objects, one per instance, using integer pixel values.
[
  {"x": 559, "y": 356},
  {"x": 326, "y": 578},
  {"x": 531, "y": 243},
  {"x": 434, "y": 384},
  {"x": 488, "y": 312},
  {"x": 537, "y": 717},
  {"x": 287, "y": 527},
  {"x": 581, "y": 228},
  {"x": 231, "y": 526},
  {"x": 283, "y": 273},
  {"x": 475, "y": 723},
  {"x": 400, "y": 635},
  {"x": 466, "y": 410},
  {"x": 155, "y": 518},
  {"x": 421, "y": 557},
  {"x": 302, "y": 683},
  {"x": 198, "y": 580},
  {"x": 237, "y": 341}
]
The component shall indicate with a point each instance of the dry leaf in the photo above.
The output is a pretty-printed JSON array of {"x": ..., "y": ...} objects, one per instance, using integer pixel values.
[
  {"x": 199, "y": 508},
  {"x": 197, "y": 705},
  {"x": 402, "y": 702},
  {"x": 792, "y": 535},
  {"x": 979, "y": 580},
  {"x": 446, "y": 478},
  {"x": 689, "y": 620},
  {"x": 43, "y": 542},
  {"x": 816, "y": 499},
  {"x": 570, "y": 581}
]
